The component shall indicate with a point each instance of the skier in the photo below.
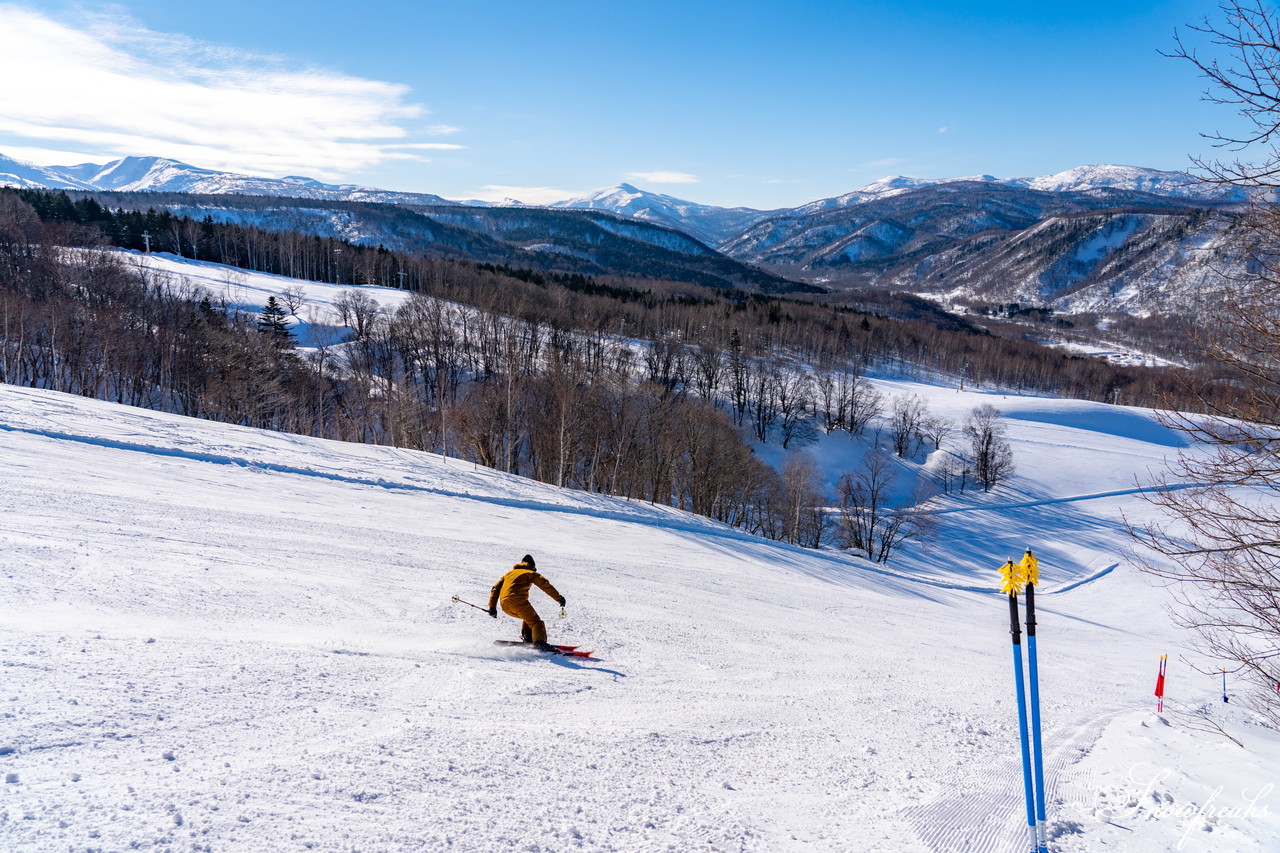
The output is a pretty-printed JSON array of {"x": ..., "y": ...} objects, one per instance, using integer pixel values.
[{"x": 512, "y": 591}]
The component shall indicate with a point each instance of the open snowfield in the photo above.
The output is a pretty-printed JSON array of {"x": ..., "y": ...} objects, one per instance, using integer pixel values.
[
  {"x": 215, "y": 638},
  {"x": 247, "y": 291}
]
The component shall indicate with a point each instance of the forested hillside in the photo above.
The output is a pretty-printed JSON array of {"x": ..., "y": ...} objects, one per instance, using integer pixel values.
[
  {"x": 588, "y": 242},
  {"x": 650, "y": 390}
]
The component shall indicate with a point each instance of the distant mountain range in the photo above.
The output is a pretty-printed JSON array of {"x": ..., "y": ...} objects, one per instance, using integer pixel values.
[
  {"x": 157, "y": 174},
  {"x": 710, "y": 224},
  {"x": 985, "y": 242},
  {"x": 1097, "y": 238}
]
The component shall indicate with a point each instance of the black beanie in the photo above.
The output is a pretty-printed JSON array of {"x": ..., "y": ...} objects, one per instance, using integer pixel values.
[{"x": 528, "y": 560}]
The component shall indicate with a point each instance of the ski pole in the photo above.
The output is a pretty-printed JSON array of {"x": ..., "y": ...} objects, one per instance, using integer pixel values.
[
  {"x": 1011, "y": 575},
  {"x": 1031, "y": 572},
  {"x": 469, "y": 604}
]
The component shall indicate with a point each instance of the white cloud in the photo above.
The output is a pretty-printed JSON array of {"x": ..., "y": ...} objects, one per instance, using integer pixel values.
[
  {"x": 943, "y": 129},
  {"x": 664, "y": 177},
  {"x": 108, "y": 87},
  {"x": 528, "y": 195}
]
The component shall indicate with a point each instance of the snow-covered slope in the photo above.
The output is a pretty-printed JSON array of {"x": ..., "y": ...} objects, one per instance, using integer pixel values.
[
  {"x": 1155, "y": 181},
  {"x": 247, "y": 291},
  {"x": 1080, "y": 179},
  {"x": 218, "y": 638},
  {"x": 16, "y": 173},
  {"x": 1162, "y": 262}
]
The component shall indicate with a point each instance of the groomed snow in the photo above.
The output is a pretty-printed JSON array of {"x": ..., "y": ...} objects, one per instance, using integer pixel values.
[{"x": 217, "y": 638}]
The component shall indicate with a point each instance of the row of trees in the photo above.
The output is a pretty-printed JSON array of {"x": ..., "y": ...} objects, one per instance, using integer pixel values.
[{"x": 872, "y": 515}]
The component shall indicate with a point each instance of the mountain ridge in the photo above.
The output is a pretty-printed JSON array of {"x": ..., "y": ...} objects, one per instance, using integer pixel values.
[
  {"x": 704, "y": 221},
  {"x": 1069, "y": 241}
]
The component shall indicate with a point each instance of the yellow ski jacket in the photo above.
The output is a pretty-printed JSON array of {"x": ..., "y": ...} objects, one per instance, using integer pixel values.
[{"x": 514, "y": 586}]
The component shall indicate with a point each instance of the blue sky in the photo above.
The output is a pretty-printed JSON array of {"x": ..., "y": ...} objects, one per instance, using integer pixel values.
[{"x": 761, "y": 104}]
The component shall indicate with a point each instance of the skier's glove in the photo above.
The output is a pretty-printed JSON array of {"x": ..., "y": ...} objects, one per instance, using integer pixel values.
[
  {"x": 562, "y": 601},
  {"x": 493, "y": 611}
]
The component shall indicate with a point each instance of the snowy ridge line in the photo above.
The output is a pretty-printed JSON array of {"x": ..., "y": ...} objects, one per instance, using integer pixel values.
[{"x": 1072, "y": 499}]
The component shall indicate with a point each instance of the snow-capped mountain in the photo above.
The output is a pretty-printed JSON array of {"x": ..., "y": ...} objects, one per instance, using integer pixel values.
[
  {"x": 1081, "y": 179},
  {"x": 1130, "y": 178},
  {"x": 712, "y": 225},
  {"x": 883, "y": 188},
  {"x": 159, "y": 174},
  {"x": 16, "y": 173}
]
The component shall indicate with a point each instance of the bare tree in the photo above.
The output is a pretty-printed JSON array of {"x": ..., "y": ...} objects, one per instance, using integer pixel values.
[
  {"x": 293, "y": 298},
  {"x": 357, "y": 310},
  {"x": 953, "y": 473},
  {"x": 1221, "y": 534},
  {"x": 904, "y": 423},
  {"x": 803, "y": 487},
  {"x": 935, "y": 429},
  {"x": 708, "y": 367},
  {"x": 1248, "y": 80},
  {"x": 1219, "y": 496},
  {"x": 869, "y": 520},
  {"x": 865, "y": 405},
  {"x": 991, "y": 455},
  {"x": 793, "y": 389}
]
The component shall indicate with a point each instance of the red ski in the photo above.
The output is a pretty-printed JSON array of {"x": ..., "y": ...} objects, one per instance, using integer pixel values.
[{"x": 566, "y": 651}]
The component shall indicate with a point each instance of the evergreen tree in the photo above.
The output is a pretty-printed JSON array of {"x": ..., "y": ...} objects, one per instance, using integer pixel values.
[{"x": 272, "y": 322}]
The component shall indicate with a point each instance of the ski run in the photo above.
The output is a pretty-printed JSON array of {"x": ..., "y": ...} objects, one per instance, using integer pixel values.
[{"x": 215, "y": 638}]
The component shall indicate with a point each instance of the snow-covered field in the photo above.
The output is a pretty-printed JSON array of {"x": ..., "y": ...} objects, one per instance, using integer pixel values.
[
  {"x": 248, "y": 291},
  {"x": 215, "y": 638}
]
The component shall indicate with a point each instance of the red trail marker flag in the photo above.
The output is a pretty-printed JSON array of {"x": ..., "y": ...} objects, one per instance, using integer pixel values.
[{"x": 1164, "y": 661}]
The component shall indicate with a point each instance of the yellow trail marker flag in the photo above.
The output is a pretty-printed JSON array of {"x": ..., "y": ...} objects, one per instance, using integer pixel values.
[
  {"x": 1012, "y": 578},
  {"x": 1030, "y": 568}
]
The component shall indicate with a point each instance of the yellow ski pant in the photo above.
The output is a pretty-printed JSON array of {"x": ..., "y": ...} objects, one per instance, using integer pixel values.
[{"x": 534, "y": 630}]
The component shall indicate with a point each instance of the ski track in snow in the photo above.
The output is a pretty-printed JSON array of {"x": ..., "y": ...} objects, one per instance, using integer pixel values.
[{"x": 1052, "y": 501}]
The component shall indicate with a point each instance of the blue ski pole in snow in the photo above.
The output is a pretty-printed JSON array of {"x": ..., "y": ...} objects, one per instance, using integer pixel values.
[
  {"x": 1011, "y": 574},
  {"x": 1031, "y": 574}
]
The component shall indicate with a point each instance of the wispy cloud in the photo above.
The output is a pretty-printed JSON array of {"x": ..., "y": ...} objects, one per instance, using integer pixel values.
[
  {"x": 528, "y": 195},
  {"x": 107, "y": 87},
  {"x": 664, "y": 177},
  {"x": 943, "y": 129}
]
